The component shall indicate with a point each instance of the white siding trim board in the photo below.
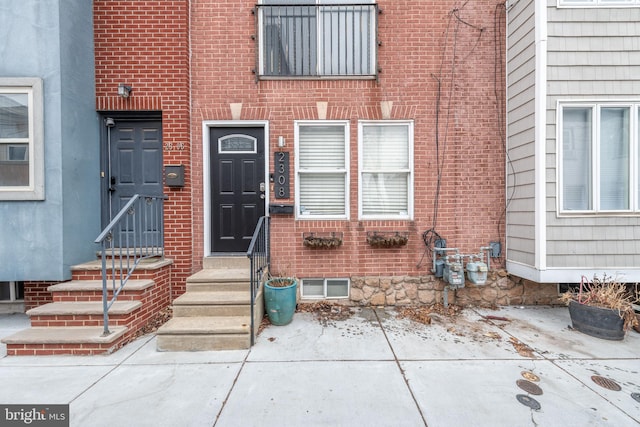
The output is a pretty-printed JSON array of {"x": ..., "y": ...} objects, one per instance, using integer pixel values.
[
  {"x": 570, "y": 275},
  {"x": 540, "y": 139}
]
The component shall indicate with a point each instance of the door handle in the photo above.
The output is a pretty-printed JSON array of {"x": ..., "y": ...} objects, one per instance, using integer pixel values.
[
  {"x": 112, "y": 183},
  {"x": 262, "y": 187}
]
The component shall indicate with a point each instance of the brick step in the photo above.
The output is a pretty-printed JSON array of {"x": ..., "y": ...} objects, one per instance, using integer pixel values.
[
  {"x": 85, "y": 313},
  {"x": 91, "y": 290},
  {"x": 220, "y": 303},
  {"x": 205, "y": 333},
  {"x": 38, "y": 341},
  {"x": 92, "y": 270}
]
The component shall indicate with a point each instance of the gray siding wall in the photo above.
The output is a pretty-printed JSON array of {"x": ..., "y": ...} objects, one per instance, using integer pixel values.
[
  {"x": 521, "y": 133},
  {"x": 53, "y": 40},
  {"x": 593, "y": 54}
]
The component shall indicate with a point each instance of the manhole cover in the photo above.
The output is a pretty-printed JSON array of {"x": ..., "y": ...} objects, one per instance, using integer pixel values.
[
  {"x": 606, "y": 383},
  {"x": 636, "y": 396},
  {"x": 529, "y": 387},
  {"x": 530, "y": 376},
  {"x": 528, "y": 401}
]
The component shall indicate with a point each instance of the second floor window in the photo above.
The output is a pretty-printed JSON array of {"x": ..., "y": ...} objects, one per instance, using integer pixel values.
[{"x": 312, "y": 38}]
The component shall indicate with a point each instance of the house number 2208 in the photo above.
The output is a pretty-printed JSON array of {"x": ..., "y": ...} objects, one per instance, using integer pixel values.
[{"x": 281, "y": 175}]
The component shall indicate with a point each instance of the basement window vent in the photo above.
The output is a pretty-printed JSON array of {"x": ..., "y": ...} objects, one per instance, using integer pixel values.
[
  {"x": 11, "y": 291},
  {"x": 325, "y": 288}
]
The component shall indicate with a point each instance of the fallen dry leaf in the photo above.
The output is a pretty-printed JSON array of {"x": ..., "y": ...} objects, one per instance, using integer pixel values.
[
  {"x": 423, "y": 314},
  {"x": 522, "y": 349}
]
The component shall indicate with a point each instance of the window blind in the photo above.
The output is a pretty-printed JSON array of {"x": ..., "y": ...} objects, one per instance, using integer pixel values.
[{"x": 322, "y": 174}]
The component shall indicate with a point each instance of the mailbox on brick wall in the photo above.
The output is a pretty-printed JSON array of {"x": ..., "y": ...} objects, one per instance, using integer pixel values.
[{"x": 174, "y": 175}]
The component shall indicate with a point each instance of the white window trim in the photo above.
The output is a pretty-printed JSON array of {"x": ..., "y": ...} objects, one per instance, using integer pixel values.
[
  {"x": 563, "y": 4},
  {"x": 634, "y": 160},
  {"x": 410, "y": 189},
  {"x": 33, "y": 87},
  {"x": 324, "y": 288},
  {"x": 345, "y": 124}
]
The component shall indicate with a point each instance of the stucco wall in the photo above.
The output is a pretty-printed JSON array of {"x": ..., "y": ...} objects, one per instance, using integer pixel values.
[{"x": 53, "y": 40}]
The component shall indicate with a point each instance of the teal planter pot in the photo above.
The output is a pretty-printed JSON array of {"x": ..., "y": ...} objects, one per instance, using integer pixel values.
[{"x": 280, "y": 301}]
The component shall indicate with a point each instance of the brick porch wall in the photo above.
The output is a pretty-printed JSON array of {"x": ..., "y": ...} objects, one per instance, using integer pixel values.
[
  {"x": 145, "y": 44},
  {"x": 36, "y": 294}
]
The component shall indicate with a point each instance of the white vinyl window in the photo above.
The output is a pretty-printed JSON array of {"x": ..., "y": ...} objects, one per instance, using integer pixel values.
[
  {"x": 322, "y": 165},
  {"x": 21, "y": 139},
  {"x": 598, "y": 3},
  {"x": 11, "y": 291},
  {"x": 325, "y": 288},
  {"x": 385, "y": 186},
  {"x": 599, "y": 157}
]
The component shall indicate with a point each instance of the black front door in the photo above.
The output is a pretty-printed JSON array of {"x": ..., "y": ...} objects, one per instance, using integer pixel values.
[
  {"x": 133, "y": 162},
  {"x": 237, "y": 186}
]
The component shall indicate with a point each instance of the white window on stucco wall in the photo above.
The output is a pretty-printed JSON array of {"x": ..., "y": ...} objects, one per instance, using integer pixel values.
[
  {"x": 21, "y": 139},
  {"x": 322, "y": 166},
  {"x": 385, "y": 184},
  {"x": 599, "y": 158}
]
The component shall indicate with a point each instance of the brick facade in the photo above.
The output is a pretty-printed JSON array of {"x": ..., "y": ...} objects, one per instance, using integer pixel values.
[
  {"x": 145, "y": 44},
  {"x": 441, "y": 65},
  {"x": 430, "y": 53}
]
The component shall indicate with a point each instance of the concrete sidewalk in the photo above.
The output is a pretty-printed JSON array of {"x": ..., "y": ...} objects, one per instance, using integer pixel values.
[{"x": 373, "y": 369}]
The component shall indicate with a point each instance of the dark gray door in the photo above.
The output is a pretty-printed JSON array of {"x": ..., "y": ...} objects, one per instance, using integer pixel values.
[
  {"x": 237, "y": 186},
  {"x": 133, "y": 162}
]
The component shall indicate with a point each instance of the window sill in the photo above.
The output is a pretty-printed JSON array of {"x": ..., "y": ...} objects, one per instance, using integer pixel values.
[{"x": 315, "y": 78}]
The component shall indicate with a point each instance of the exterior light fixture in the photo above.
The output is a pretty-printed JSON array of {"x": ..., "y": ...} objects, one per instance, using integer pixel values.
[
  {"x": 281, "y": 141},
  {"x": 123, "y": 90}
]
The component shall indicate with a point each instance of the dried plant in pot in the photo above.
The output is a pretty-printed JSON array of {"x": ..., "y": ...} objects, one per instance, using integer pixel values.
[
  {"x": 601, "y": 308},
  {"x": 392, "y": 239},
  {"x": 328, "y": 241}
]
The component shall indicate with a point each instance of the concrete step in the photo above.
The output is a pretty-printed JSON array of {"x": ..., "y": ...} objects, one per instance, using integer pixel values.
[
  {"x": 83, "y": 308},
  {"x": 205, "y": 333},
  {"x": 196, "y": 304},
  {"x": 64, "y": 340},
  {"x": 218, "y": 287},
  {"x": 146, "y": 264},
  {"x": 221, "y": 275},
  {"x": 96, "y": 286},
  {"x": 223, "y": 279},
  {"x": 223, "y": 262},
  {"x": 91, "y": 290}
]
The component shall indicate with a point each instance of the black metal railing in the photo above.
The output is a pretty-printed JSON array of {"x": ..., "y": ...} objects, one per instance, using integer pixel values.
[
  {"x": 134, "y": 234},
  {"x": 259, "y": 255},
  {"x": 321, "y": 40}
]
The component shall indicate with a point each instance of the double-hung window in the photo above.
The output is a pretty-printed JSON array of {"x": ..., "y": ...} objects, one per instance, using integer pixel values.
[
  {"x": 386, "y": 170},
  {"x": 314, "y": 38},
  {"x": 21, "y": 139},
  {"x": 599, "y": 157},
  {"x": 322, "y": 165}
]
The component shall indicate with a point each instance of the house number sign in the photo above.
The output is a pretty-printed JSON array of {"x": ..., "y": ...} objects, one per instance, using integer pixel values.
[{"x": 281, "y": 175}]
